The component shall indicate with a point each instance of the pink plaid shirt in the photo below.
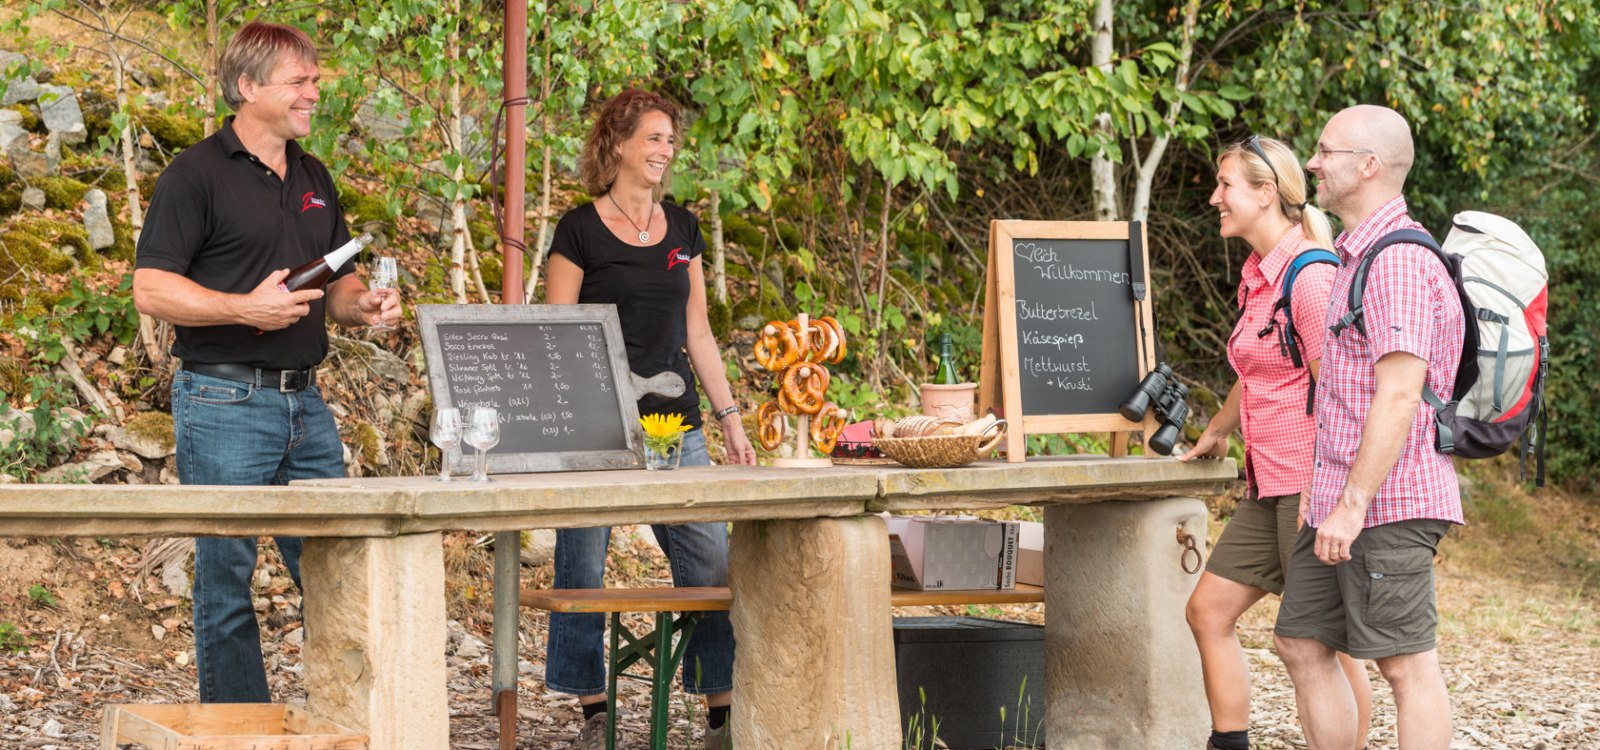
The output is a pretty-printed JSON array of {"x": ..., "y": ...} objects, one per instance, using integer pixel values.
[
  {"x": 1410, "y": 306},
  {"x": 1278, "y": 434}
]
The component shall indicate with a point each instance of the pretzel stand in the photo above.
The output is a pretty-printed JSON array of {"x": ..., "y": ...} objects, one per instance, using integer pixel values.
[{"x": 798, "y": 350}]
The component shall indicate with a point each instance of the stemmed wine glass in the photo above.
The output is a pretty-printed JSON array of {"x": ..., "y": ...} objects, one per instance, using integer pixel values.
[
  {"x": 483, "y": 433},
  {"x": 445, "y": 433},
  {"x": 385, "y": 272}
]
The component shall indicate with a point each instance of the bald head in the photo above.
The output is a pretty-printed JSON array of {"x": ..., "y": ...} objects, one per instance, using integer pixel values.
[{"x": 1380, "y": 130}]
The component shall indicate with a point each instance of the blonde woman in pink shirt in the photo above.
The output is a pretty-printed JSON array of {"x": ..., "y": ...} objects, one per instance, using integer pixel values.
[{"x": 1261, "y": 199}]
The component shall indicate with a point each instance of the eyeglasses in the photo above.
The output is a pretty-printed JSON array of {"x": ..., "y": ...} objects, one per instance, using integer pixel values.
[
  {"x": 1254, "y": 144},
  {"x": 1322, "y": 153}
]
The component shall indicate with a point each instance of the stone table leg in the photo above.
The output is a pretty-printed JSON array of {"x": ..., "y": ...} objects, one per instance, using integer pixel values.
[
  {"x": 1121, "y": 669},
  {"x": 375, "y": 638},
  {"x": 815, "y": 664}
]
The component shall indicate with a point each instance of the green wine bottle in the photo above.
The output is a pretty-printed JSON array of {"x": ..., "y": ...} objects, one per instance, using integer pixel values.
[{"x": 946, "y": 372}]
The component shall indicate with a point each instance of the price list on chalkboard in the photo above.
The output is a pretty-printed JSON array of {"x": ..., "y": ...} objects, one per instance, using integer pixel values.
[
  {"x": 551, "y": 382},
  {"x": 1076, "y": 342}
]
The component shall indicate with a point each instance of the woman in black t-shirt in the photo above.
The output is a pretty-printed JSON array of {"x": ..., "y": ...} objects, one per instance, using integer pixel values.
[{"x": 629, "y": 249}]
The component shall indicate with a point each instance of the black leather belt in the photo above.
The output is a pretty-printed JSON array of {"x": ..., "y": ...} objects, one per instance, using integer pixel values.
[{"x": 285, "y": 381}]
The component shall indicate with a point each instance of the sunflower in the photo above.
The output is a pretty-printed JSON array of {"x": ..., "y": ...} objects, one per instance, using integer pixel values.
[{"x": 662, "y": 431}]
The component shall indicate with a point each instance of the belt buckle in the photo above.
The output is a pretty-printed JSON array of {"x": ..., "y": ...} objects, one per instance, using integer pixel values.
[{"x": 284, "y": 385}]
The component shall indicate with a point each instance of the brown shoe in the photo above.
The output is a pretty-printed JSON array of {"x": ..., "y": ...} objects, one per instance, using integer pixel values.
[{"x": 593, "y": 734}]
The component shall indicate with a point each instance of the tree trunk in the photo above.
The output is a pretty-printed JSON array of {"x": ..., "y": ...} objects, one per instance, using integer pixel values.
[
  {"x": 212, "y": 34},
  {"x": 1147, "y": 169},
  {"x": 545, "y": 183},
  {"x": 459, "y": 246},
  {"x": 719, "y": 251},
  {"x": 1102, "y": 171},
  {"x": 875, "y": 370},
  {"x": 130, "y": 175}
]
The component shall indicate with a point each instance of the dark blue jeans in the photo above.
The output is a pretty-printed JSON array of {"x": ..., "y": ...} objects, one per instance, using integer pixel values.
[
  {"x": 575, "y": 661},
  {"x": 234, "y": 433}
]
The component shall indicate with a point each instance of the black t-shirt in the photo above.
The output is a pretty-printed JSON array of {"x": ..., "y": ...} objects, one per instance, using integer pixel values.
[
  {"x": 649, "y": 286},
  {"x": 221, "y": 218}
]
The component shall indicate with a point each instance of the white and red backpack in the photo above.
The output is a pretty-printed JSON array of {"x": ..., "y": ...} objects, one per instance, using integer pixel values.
[{"x": 1499, "y": 387}]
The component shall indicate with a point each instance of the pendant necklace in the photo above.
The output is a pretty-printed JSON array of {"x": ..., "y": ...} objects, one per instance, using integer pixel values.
[{"x": 644, "y": 234}]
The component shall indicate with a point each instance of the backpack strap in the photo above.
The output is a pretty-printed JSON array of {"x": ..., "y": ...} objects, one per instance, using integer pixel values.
[
  {"x": 1358, "y": 283},
  {"x": 1289, "y": 335}
]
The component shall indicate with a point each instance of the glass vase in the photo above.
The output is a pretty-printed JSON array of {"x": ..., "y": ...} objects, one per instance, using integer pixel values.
[{"x": 664, "y": 454}]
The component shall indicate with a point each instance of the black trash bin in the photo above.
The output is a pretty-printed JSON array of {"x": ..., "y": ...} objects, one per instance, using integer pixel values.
[{"x": 969, "y": 668}]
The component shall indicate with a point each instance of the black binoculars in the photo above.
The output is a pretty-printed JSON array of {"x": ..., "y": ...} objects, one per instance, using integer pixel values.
[{"x": 1161, "y": 389}]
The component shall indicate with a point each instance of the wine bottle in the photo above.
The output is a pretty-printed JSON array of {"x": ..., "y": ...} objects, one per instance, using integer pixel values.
[
  {"x": 946, "y": 373},
  {"x": 315, "y": 274}
]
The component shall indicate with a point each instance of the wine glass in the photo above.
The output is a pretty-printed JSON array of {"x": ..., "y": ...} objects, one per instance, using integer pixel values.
[
  {"x": 445, "y": 433},
  {"x": 483, "y": 433},
  {"x": 385, "y": 272}
]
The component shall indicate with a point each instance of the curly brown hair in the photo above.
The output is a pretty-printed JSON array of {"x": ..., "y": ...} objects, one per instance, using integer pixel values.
[{"x": 615, "y": 123}]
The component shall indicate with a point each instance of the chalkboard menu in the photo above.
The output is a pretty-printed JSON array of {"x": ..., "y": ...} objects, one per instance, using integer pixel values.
[
  {"x": 1067, "y": 333},
  {"x": 552, "y": 372}
]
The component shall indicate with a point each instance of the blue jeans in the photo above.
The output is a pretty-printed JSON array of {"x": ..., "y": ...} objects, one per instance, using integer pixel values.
[
  {"x": 575, "y": 661},
  {"x": 234, "y": 433}
]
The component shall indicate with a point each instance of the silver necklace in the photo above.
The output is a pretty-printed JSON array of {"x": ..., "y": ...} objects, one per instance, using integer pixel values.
[{"x": 644, "y": 234}]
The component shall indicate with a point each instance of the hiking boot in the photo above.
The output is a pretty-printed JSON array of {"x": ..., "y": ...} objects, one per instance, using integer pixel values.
[
  {"x": 720, "y": 738},
  {"x": 593, "y": 734}
]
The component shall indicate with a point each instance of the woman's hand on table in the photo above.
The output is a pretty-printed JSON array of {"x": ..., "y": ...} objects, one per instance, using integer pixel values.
[
  {"x": 1210, "y": 445},
  {"x": 740, "y": 451}
]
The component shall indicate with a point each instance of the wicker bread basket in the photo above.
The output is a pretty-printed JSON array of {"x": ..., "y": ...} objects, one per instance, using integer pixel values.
[{"x": 932, "y": 452}]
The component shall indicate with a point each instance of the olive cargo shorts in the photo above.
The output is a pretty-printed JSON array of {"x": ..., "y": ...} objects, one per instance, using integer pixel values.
[{"x": 1377, "y": 604}]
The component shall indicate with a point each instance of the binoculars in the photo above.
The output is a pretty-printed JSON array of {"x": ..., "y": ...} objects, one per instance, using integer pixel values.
[{"x": 1162, "y": 390}]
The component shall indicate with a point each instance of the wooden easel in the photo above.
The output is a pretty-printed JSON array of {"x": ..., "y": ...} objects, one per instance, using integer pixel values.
[{"x": 1000, "y": 376}]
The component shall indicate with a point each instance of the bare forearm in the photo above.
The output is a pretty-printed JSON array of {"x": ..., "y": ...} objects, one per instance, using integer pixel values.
[
  {"x": 709, "y": 370},
  {"x": 1227, "y": 418},
  {"x": 177, "y": 300},
  {"x": 343, "y": 301}
]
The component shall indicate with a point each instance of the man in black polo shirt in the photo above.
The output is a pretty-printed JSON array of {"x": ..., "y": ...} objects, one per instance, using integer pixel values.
[{"x": 230, "y": 216}]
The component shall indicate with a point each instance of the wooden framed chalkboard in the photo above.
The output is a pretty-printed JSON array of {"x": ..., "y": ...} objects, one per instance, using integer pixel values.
[
  {"x": 558, "y": 374},
  {"x": 1068, "y": 328}
]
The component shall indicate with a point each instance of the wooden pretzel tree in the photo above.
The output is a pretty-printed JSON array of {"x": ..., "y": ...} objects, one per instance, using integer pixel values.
[{"x": 798, "y": 351}]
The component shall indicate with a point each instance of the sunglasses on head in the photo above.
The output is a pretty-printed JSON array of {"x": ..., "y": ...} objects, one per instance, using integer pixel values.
[{"x": 1254, "y": 144}]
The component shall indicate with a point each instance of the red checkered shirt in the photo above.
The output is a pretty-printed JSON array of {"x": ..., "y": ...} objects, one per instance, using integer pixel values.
[
  {"x": 1278, "y": 434},
  {"x": 1410, "y": 306}
]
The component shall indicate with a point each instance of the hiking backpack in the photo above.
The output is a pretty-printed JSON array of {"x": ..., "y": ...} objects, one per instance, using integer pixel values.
[
  {"x": 1500, "y": 276},
  {"x": 1288, "y": 336}
]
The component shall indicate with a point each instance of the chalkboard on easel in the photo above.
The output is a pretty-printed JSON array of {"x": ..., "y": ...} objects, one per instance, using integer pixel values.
[
  {"x": 552, "y": 372},
  {"x": 1068, "y": 331}
]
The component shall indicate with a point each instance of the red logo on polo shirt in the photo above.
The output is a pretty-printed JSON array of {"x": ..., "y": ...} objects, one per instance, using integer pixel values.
[
  {"x": 310, "y": 201},
  {"x": 677, "y": 257}
]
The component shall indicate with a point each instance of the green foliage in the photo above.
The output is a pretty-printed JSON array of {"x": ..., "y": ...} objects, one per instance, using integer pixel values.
[
  {"x": 41, "y": 596},
  {"x": 53, "y": 432},
  {"x": 80, "y": 315},
  {"x": 12, "y": 640}
]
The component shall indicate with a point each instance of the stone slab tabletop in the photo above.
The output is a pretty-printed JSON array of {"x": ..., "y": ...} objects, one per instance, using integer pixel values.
[{"x": 379, "y": 507}]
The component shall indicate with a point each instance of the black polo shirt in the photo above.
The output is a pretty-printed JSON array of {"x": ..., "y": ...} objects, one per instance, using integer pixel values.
[{"x": 220, "y": 217}]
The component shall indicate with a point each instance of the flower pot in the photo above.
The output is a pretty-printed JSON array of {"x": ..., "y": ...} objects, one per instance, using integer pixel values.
[
  {"x": 663, "y": 455},
  {"x": 954, "y": 401}
]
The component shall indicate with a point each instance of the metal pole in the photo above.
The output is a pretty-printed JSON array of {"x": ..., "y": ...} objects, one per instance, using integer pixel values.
[{"x": 508, "y": 544}]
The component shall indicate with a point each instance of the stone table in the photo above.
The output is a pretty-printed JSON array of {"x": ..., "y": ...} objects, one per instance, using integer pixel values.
[{"x": 809, "y": 577}]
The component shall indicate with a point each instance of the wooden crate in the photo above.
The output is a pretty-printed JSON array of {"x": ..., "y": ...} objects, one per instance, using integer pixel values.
[{"x": 223, "y": 726}]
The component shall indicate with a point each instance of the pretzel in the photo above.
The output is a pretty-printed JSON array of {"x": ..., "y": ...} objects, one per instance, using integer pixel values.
[
  {"x": 770, "y": 425},
  {"x": 777, "y": 347},
  {"x": 824, "y": 341},
  {"x": 838, "y": 335},
  {"x": 805, "y": 385},
  {"x": 827, "y": 425}
]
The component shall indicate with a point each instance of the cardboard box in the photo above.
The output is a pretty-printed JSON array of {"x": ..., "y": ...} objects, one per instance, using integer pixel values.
[
  {"x": 1030, "y": 553},
  {"x": 931, "y": 553}
]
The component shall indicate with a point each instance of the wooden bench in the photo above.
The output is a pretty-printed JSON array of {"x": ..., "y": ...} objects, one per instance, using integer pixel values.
[{"x": 678, "y": 609}]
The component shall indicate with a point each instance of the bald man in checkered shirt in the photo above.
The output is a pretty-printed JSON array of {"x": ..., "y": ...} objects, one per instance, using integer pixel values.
[{"x": 1360, "y": 577}]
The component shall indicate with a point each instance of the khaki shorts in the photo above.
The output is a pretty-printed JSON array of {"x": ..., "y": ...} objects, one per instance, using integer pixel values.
[
  {"x": 1377, "y": 604},
  {"x": 1254, "y": 548}
]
